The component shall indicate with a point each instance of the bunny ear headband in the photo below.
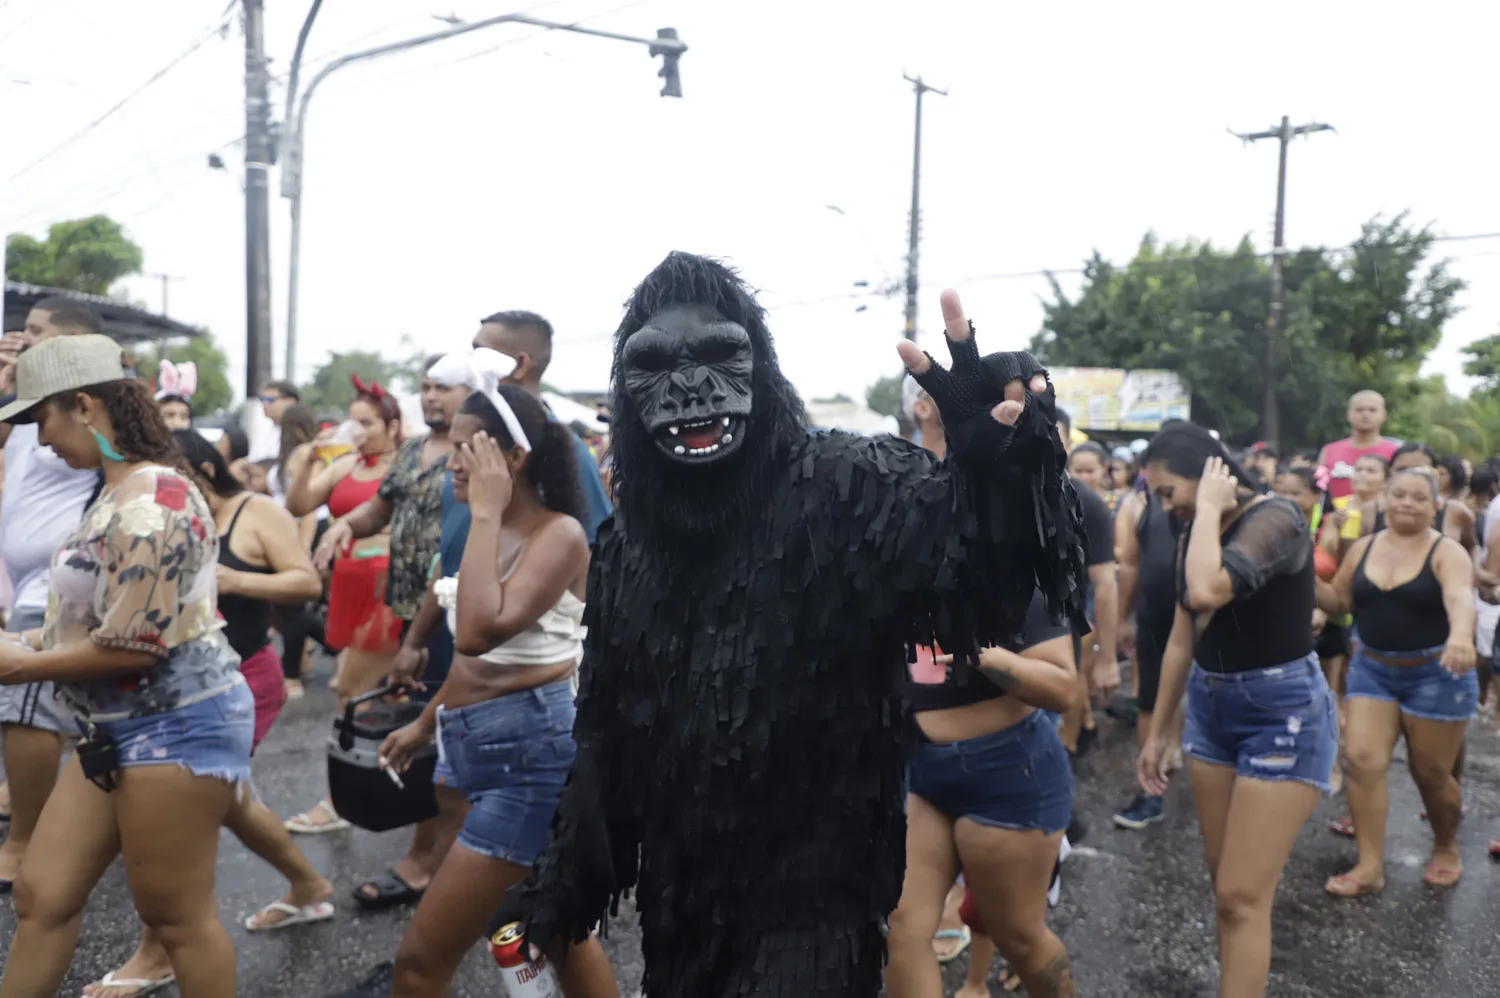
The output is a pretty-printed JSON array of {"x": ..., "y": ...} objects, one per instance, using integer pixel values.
[
  {"x": 177, "y": 380},
  {"x": 482, "y": 371}
]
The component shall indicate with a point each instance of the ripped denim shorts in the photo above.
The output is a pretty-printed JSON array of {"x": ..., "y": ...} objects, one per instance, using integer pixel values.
[
  {"x": 1277, "y": 723},
  {"x": 211, "y": 737}
]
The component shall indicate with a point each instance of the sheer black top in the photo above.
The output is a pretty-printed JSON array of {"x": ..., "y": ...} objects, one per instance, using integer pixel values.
[{"x": 1268, "y": 553}]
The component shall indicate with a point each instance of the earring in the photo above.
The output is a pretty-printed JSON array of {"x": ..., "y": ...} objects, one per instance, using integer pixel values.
[{"x": 105, "y": 448}]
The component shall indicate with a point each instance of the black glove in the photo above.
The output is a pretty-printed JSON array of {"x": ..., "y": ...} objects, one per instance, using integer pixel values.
[
  {"x": 966, "y": 393},
  {"x": 514, "y": 908}
]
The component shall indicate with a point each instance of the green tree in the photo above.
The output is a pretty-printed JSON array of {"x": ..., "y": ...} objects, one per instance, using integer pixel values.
[
  {"x": 1360, "y": 318},
  {"x": 884, "y": 396},
  {"x": 332, "y": 387},
  {"x": 1483, "y": 363},
  {"x": 86, "y": 254},
  {"x": 214, "y": 393}
]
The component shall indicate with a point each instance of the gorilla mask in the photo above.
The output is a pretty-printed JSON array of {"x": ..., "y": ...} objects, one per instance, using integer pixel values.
[{"x": 688, "y": 371}]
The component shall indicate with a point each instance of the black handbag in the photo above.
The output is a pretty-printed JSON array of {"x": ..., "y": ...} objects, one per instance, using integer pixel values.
[{"x": 362, "y": 792}]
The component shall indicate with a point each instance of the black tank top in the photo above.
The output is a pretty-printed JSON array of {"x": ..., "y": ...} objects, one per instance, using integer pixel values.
[
  {"x": 247, "y": 621},
  {"x": 1409, "y": 617},
  {"x": 1273, "y": 624},
  {"x": 1156, "y": 585}
]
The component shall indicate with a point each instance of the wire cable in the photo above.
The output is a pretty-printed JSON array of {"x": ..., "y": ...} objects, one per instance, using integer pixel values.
[{"x": 203, "y": 39}]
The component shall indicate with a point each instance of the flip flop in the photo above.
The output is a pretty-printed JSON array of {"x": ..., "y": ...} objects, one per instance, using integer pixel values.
[
  {"x": 1346, "y": 886},
  {"x": 964, "y": 936},
  {"x": 1442, "y": 876},
  {"x": 1342, "y": 826},
  {"x": 142, "y": 985},
  {"x": 1495, "y": 849},
  {"x": 390, "y": 891},
  {"x": 318, "y": 911},
  {"x": 301, "y": 824}
]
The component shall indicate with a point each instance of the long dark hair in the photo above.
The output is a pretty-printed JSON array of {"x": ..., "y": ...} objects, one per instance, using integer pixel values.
[
  {"x": 552, "y": 465},
  {"x": 299, "y": 425},
  {"x": 198, "y": 451},
  {"x": 1183, "y": 448},
  {"x": 140, "y": 432}
]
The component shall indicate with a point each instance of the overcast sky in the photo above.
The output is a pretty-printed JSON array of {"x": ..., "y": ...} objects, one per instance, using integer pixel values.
[{"x": 547, "y": 174}]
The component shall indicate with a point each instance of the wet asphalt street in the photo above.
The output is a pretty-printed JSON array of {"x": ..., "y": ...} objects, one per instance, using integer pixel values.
[{"x": 1136, "y": 911}]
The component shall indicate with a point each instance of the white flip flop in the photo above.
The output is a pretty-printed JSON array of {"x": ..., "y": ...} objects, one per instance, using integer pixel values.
[
  {"x": 318, "y": 911},
  {"x": 298, "y": 825},
  {"x": 142, "y": 985}
]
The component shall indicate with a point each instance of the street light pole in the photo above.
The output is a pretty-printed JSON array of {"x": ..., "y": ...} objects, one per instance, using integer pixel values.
[{"x": 294, "y": 133}]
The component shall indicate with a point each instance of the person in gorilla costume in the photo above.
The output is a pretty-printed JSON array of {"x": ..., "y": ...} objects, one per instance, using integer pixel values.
[{"x": 751, "y": 609}]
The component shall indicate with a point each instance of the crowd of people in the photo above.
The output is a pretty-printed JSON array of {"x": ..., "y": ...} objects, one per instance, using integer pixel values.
[{"x": 1283, "y": 623}]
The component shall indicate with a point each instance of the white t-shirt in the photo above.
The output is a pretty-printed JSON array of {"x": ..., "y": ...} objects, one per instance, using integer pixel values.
[{"x": 41, "y": 505}]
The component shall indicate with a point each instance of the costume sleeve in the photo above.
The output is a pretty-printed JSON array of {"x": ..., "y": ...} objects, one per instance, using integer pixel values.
[
  {"x": 152, "y": 545},
  {"x": 1271, "y": 540},
  {"x": 591, "y": 857}
]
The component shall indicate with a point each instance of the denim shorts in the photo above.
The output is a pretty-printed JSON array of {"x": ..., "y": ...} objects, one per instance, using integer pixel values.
[
  {"x": 1424, "y": 689},
  {"x": 209, "y": 738},
  {"x": 1017, "y": 778},
  {"x": 1277, "y": 723},
  {"x": 509, "y": 757}
]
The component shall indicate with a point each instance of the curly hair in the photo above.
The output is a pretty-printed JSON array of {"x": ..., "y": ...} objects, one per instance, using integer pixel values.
[
  {"x": 552, "y": 467},
  {"x": 140, "y": 432}
]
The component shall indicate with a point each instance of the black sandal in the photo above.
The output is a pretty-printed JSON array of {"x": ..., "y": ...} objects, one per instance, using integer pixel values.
[{"x": 389, "y": 890}]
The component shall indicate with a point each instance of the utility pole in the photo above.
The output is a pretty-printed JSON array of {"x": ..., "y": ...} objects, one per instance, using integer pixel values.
[
  {"x": 914, "y": 223},
  {"x": 165, "y": 279},
  {"x": 1270, "y": 413},
  {"x": 257, "y": 202}
]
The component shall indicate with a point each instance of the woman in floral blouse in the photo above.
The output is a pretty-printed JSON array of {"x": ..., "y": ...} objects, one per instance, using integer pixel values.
[{"x": 132, "y": 642}]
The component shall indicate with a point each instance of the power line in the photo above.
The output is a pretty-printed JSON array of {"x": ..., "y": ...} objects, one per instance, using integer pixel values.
[
  {"x": 23, "y": 21},
  {"x": 202, "y": 40}
]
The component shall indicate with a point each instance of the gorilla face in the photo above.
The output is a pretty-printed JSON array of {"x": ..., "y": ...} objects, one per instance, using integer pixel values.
[{"x": 687, "y": 370}]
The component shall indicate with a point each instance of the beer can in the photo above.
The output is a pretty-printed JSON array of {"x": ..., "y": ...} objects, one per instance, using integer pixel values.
[{"x": 523, "y": 978}]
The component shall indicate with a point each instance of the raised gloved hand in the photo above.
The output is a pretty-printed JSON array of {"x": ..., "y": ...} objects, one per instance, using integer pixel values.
[{"x": 982, "y": 400}]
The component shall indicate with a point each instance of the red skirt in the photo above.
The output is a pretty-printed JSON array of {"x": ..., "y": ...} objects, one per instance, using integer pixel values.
[{"x": 357, "y": 615}]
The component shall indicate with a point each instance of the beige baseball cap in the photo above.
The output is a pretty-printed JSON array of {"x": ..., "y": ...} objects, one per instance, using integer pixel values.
[{"x": 58, "y": 364}]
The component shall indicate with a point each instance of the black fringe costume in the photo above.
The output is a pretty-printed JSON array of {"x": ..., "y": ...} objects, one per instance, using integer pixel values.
[{"x": 740, "y": 740}]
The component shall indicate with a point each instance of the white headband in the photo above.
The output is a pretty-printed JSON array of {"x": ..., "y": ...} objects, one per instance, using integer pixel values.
[
  {"x": 491, "y": 366},
  {"x": 482, "y": 371}
]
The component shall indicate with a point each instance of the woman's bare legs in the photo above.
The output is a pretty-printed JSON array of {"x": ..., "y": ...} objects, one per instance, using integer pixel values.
[
  {"x": 261, "y": 831},
  {"x": 32, "y": 757},
  {"x": 1008, "y": 873},
  {"x": 455, "y": 912},
  {"x": 1432, "y": 748},
  {"x": 169, "y": 835},
  {"x": 1261, "y": 825},
  {"x": 77, "y": 839},
  {"x": 1369, "y": 738},
  {"x": 911, "y": 969}
]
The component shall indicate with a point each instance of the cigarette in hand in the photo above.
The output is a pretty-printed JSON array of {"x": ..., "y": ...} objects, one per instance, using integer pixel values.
[{"x": 391, "y": 773}]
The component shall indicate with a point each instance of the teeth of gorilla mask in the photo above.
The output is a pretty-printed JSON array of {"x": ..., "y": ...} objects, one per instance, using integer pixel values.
[{"x": 688, "y": 372}]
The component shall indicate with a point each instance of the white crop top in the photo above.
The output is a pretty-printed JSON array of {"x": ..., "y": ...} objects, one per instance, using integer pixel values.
[{"x": 557, "y": 636}]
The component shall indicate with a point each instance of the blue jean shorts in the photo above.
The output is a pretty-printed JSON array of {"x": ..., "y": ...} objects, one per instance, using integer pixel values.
[
  {"x": 1277, "y": 723},
  {"x": 1017, "y": 778},
  {"x": 1423, "y": 689},
  {"x": 509, "y": 757},
  {"x": 209, "y": 738}
]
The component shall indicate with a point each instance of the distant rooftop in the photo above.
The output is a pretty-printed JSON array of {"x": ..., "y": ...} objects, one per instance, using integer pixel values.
[{"x": 124, "y": 323}]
